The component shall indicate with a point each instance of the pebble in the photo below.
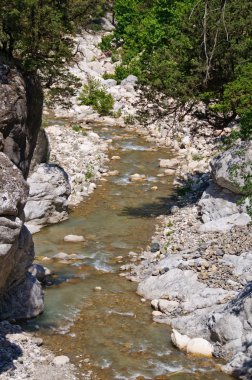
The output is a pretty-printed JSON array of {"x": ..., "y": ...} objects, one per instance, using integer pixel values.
[
  {"x": 74, "y": 238},
  {"x": 98, "y": 288},
  {"x": 137, "y": 177},
  {"x": 61, "y": 360}
]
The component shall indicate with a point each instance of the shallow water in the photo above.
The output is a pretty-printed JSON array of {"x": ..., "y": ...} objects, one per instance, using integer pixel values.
[{"x": 112, "y": 327}]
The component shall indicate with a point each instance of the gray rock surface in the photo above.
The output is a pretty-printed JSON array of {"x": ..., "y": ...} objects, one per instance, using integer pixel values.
[
  {"x": 49, "y": 191},
  {"x": 20, "y": 116},
  {"x": 230, "y": 168},
  {"x": 217, "y": 203},
  {"x": 20, "y": 294},
  {"x": 42, "y": 150},
  {"x": 21, "y": 102},
  {"x": 231, "y": 326},
  {"x": 130, "y": 80},
  {"x": 226, "y": 223}
]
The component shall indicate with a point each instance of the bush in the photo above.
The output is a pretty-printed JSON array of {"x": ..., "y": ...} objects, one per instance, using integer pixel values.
[
  {"x": 246, "y": 126},
  {"x": 106, "y": 44},
  {"x": 93, "y": 94}
]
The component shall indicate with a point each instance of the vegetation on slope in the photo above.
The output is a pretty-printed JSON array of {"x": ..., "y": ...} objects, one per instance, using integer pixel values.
[
  {"x": 36, "y": 34},
  {"x": 189, "y": 49}
]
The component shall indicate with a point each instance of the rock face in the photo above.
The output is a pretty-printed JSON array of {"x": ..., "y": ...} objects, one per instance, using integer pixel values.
[
  {"x": 20, "y": 114},
  {"x": 21, "y": 103},
  {"x": 232, "y": 328},
  {"x": 20, "y": 293},
  {"x": 219, "y": 204},
  {"x": 42, "y": 150},
  {"x": 230, "y": 168},
  {"x": 49, "y": 191}
]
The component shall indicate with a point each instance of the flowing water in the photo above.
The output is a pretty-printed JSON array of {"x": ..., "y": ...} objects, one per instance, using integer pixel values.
[{"x": 110, "y": 331}]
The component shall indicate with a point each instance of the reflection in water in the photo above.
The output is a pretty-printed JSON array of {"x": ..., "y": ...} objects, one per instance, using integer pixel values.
[{"x": 111, "y": 327}]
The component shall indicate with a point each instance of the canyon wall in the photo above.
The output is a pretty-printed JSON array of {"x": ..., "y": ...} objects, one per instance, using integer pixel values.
[{"x": 21, "y": 101}]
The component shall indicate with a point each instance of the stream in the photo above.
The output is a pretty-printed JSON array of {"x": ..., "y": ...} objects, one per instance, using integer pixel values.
[{"x": 110, "y": 331}]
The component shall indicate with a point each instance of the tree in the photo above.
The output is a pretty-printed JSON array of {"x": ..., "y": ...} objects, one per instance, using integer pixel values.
[
  {"x": 190, "y": 50},
  {"x": 35, "y": 34}
]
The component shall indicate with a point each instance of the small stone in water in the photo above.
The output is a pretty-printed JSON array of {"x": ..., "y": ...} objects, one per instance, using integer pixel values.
[
  {"x": 61, "y": 256},
  {"x": 98, "y": 288},
  {"x": 137, "y": 177},
  {"x": 119, "y": 257},
  {"x": 74, "y": 238},
  {"x": 154, "y": 188}
]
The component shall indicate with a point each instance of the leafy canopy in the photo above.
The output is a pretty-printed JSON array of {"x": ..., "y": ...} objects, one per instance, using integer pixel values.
[
  {"x": 36, "y": 32},
  {"x": 190, "y": 50}
]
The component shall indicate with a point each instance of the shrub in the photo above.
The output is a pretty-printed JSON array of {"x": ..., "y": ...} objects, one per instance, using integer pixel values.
[
  {"x": 129, "y": 120},
  {"x": 93, "y": 94},
  {"x": 106, "y": 43},
  {"x": 108, "y": 76},
  {"x": 76, "y": 127}
]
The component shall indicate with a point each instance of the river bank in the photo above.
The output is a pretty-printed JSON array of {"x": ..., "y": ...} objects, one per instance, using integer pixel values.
[{"x": 193, "y": 142}]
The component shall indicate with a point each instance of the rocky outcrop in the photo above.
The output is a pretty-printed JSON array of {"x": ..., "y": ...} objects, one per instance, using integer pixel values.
[
  {"x": 231, "y": 169},
  {"x": 223, "y": 205},
  {"x": 20, "y": 115},
  {"x": 49, "y": 191},
  {"x": 20, "y": 293},
  {"x": 21, "y": 102},
  {"x": 42, "y": 150},
  {"x": 232, "y": 328}
]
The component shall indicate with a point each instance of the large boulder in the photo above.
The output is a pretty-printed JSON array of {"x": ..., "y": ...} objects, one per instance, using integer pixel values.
[
  {"x": 217, "y": 203},
  {"x": 13, "y": 188},
  {"x": 49, "y": 191},
  {"x": 223, "y": 204},
  {"x": 17, "y": 288},
  {"x": 180, "y": 285},
  {"x": 232, "y": 328},
  {"x": 231, "y": 168}
]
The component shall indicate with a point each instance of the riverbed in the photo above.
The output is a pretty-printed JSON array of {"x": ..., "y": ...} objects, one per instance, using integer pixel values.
[{"x": 92, "y": 314}]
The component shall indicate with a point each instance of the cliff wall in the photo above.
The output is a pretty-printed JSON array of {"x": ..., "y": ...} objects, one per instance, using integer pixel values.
[{"x": 21, "y": 101}]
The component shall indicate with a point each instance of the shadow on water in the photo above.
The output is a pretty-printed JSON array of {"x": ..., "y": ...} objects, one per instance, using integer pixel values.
[{"x": 181, "y": 197}]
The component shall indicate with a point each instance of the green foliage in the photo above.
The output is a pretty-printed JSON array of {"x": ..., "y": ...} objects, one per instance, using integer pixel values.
[
  {"x": 190, "y": 50},
  {"x": 93, "y": 94},
  {"x": 108, "y": 76},
  {"x": 76, "y": 127},
  {"x": 237, "y": 94},
  {"x": 89, "y": 175},
  {"x": 117, "y": 114},
  {"x": 246, "y": 125},
  {"x": 35, "y": 34},
  {"x": 129, "y": 120},
  {"x": 106, "y": 44},
  {"x": 197, "y": 157}
]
